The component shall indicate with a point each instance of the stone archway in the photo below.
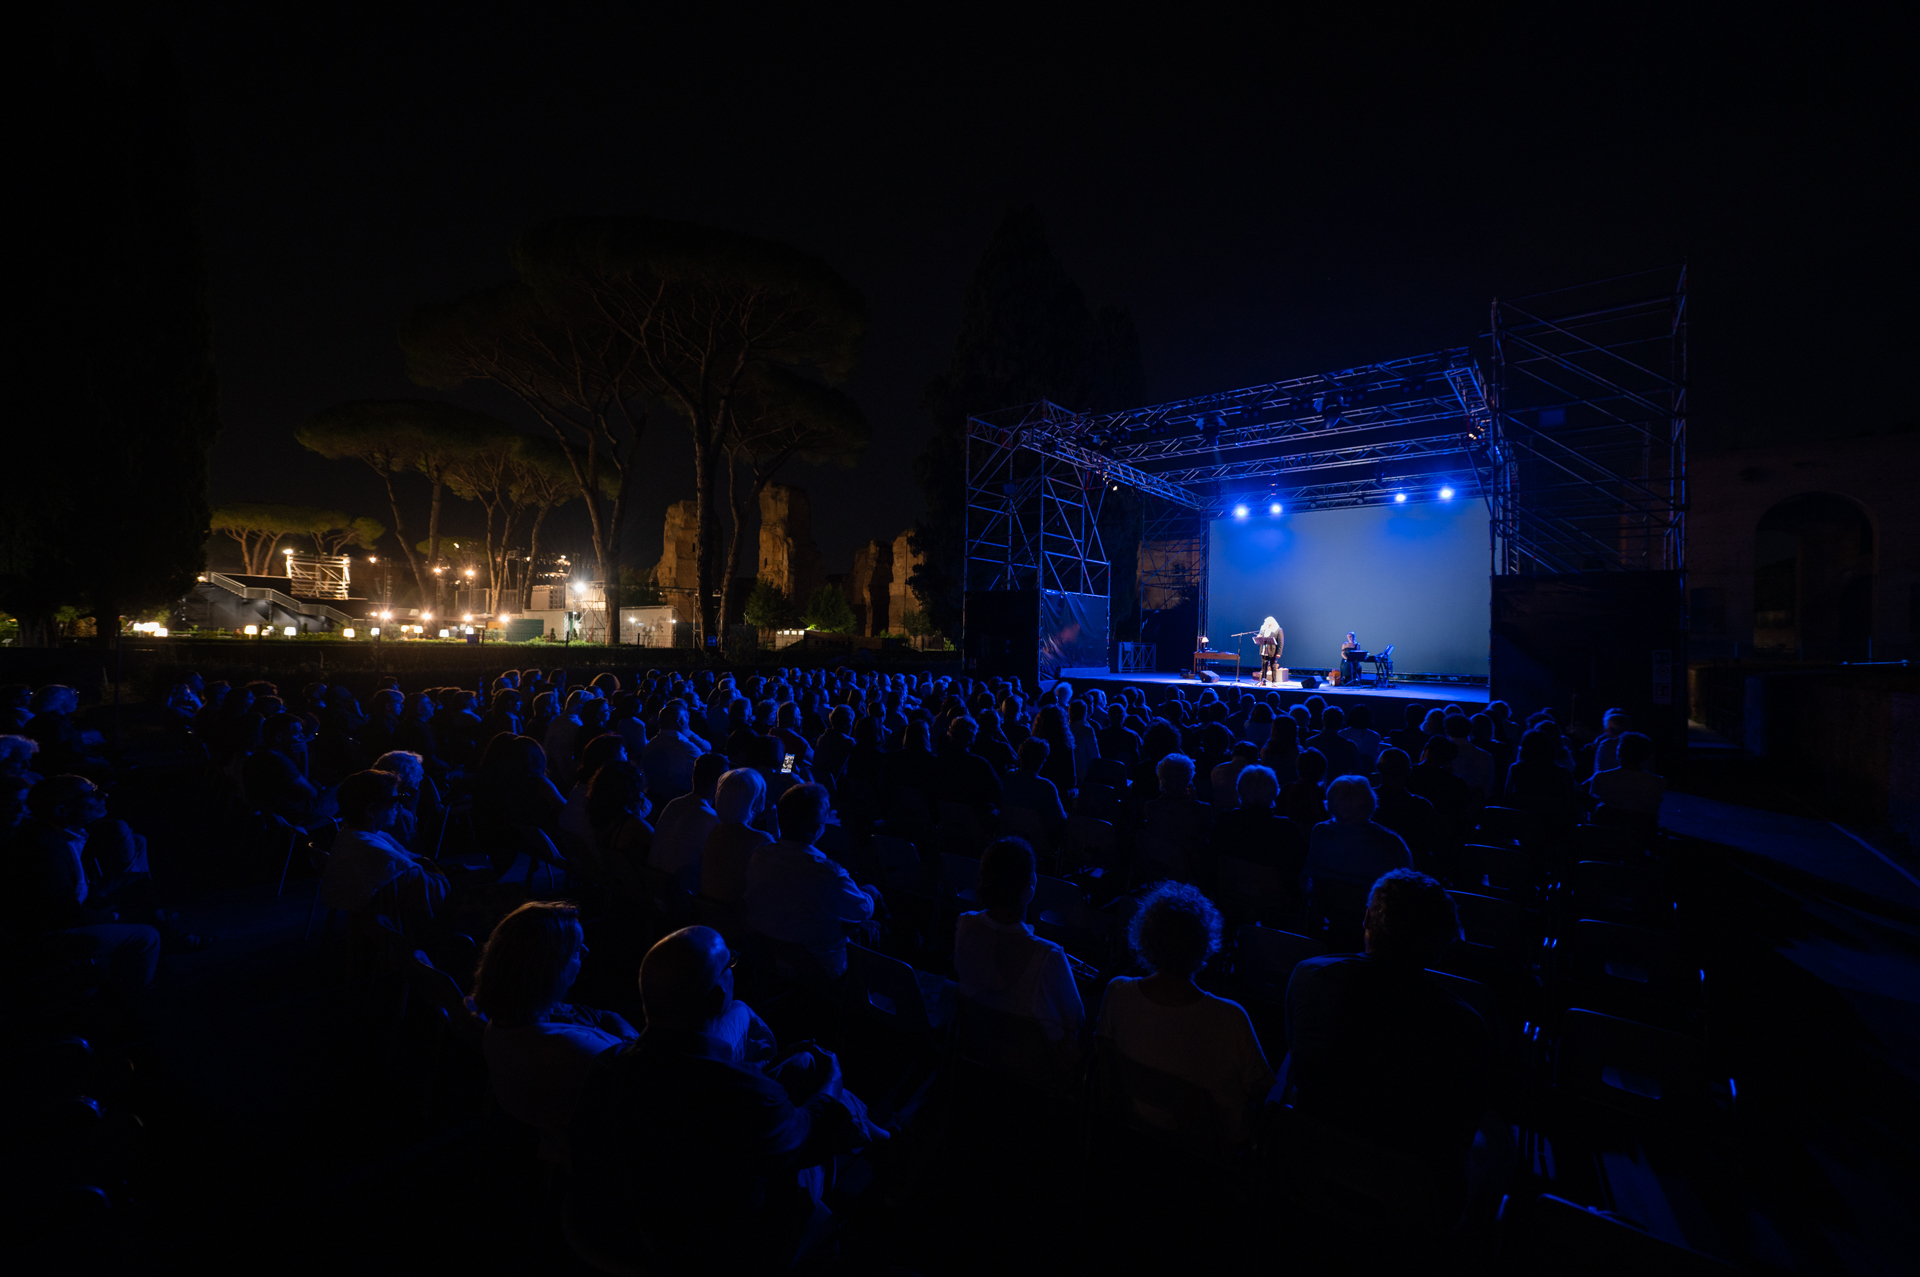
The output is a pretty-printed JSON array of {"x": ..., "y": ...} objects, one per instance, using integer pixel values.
[{"x": 1813, "y": 579}]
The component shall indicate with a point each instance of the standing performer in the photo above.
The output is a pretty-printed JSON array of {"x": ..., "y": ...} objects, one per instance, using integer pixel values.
[{"x": 1270, "y": 640}]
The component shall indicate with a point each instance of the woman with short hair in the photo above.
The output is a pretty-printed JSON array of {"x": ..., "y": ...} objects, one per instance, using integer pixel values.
[
  {"x": 738, "y": 800},
  {"x": 1168, "y": 1023}
]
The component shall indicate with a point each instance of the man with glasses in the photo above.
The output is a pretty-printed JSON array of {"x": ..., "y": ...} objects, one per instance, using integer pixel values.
[
  {"x": 88, "y": 894},
  {"x": 368, "y": 867},
  {"x": 687, "y": 1158},
  {"x": 275, "y": 775}
]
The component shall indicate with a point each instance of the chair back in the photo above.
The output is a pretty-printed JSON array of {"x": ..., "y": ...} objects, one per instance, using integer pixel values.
[
  {"x": 1635, "y": 972},
  {"x": 1056, "y": 896},
  {"x": 960, "y": 875},
  {"x": 1653, "y": 1074},
  {"x": 897, "y": 858},
  {"x": 1024, "y": 822},
  {"x": 1343, "y": 907},
  {"x": 1513, "y": 825},
  {"x": 1619, "y": 893},
  {"x": 1004, "y": 1043},
  {"x": 1264, "y": 959},
  {"x": 896, "y": 992},
  {"x": 1092, "y": 841},
  {"x": 1110, "y": 772},
  {"x": 435, "y": 988},
  {"x": 1155, "y": 857},
  {"x": 1156, "y": 1103},
  {"x": 1257, "y": 891},
  {"x": 1551, "y": 1234},
  {"x": 1355, "y": 1179}
]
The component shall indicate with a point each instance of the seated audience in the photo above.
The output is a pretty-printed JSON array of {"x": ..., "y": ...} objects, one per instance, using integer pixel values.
[
  {"x": 538, "y": 1048},
  {"x": 1352, "y": 846},
  {"x": 961, "y": 775},
  {"x": 1176, "y": 815},
  {"x": 1433, "y": 780},
  {"x": 1167, "y": 1022},
  {"x": 1360, "y": 734},
  {"x": 688, "y": 1161},
  {"x": 680, "y": 834},
  {"x": 275, "y": 775},
  {"x": 1614, "y": 724},
  {"x": 669, "y": 757},
  {"x": 1342, "y": 758},
  {"x": 368, "y": 868},
  {"x": 1002, "y": 965},
  {"x": 594, "y": 754},
  {"x": 738, "y": 800},
  {"x": 1026, "y": 787},
  {"x": 1538, "y": 783},
  {"x": 1470, "y": 763},
  {"x": 1407, "y": 813},
  {"x": 616, "y": 810},
  {"x": 1222, "y": 782},
  {"x": 1629, "y": 793},
  {"x": 798, "y": 895},
  {"x": 1304, "y": 801},
  {"x": 1255, "y": 830},
  {"x": 1383, "y": 1050}
]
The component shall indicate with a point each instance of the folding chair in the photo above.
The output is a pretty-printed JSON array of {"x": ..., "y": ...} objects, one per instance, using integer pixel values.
[
  {"x": 1250, "y": 890},
  {"x": 1264, "y": 959},
  {"x": 1110, "y": 772},
  {"x": 960, "y": 828},
  {"x": 960, "y": 875},
  {"x": 1634, "y": 972},
  {"x": 1024, "y": 822},
  {"x": 1342, "y": 909},
  {"x": 1513, "y": 826},
  {"x": 1013, "y": 1046},
  {"x": 1612, "y": 892},
  {"x": 899, "y": 863},
  {"x": 1550, "y": 1234},
  {"x": 1091, "y": 841},
  {"x": 910, "y": 1001},
  {"x": 1155, "y": 857},
  {"x": 1164, "y": 1108}
]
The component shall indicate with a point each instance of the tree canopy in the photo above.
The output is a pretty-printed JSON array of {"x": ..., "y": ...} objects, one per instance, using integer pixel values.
[
  {"x": 829, "y": 610},
  {"x": 398, "y": 436},
  {"x": 608, "y": 316}
]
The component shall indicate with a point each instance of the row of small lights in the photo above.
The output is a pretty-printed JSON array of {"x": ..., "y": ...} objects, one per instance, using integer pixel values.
[{"x": 1399, "y": 498}]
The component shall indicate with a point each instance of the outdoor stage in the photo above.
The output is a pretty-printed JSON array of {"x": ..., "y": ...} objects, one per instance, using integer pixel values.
[{"x": 1435, "y": 695}]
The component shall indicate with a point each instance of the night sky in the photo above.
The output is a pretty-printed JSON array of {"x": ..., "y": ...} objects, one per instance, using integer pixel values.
[{"x": 1267, "y": 197}]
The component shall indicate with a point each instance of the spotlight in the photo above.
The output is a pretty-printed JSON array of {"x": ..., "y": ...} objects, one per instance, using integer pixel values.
[
  {"x": 1274, "y": 508},
  {"x": 1446, "y": 494},
  {"x": 1239, "y": 512},
  {"x": 1399, "y": 498}
]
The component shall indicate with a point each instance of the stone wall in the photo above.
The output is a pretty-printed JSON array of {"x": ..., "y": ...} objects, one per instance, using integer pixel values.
[
  {"x": 678, "y": 571},
  {"x": 869, "y": 586},
  {"x": 900, "y": 597},
  {"x": 788, "y": 556}
]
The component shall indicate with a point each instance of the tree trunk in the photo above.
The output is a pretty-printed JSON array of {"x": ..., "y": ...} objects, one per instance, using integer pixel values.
[
  {"x": 703, "y": 523},
  {"x": 533, "y": 557},
  {"x": 400, "y": 534},
  {"x": 433, "y": 534}
]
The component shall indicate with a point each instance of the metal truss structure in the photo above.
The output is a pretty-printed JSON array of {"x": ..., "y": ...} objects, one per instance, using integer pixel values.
[
  {"x": 1577, "y": 442},
  {"x": 1590, "y": 427},
  {"x": 1036, "y": 475}
]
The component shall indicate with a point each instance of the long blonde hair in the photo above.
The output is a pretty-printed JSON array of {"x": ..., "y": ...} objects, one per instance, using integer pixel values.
[{"x": 1269, "y": 628}]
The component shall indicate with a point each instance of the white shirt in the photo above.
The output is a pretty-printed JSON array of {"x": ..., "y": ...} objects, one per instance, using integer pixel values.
[
  {"x": 796, "y": 894},
  {"x": 1210, "y": 1043},
  {"x": 1008, "y": 968}
]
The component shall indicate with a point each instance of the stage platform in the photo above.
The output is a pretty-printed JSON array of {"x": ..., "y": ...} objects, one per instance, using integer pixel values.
[{"x": 1468, "y": 695}]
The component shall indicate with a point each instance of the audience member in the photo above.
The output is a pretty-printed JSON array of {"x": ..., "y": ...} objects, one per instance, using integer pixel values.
[
  {"x": 368, "y": 869},
  {"x": 1352, "y": 847},
  {"x": 1470, "y": 763},
  {"x": 1166, "y": 1022},
  {"x": 1026, "y": 787},
  {"x": 1304, "y": 801},
  {"x": 796, "y": 894},
  {"x": 1002, "y": 965},
  {"x": 686, "y": 1161},
  {"x": 1629, "y": 793},
  {"x": 616, "y": 811},
  {"x": 681, "y": 833},
  {"x": 538, "y": 1048},
  {"x": 1383, "y": 1050},
  {"x": 669, "y": 757}
]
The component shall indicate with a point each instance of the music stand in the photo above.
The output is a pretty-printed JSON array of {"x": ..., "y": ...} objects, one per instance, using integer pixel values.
[{"x": 1383, "y": 666}]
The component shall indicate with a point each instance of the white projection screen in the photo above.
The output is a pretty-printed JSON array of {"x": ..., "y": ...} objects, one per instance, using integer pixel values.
[{"x": 1414, "y": 575}]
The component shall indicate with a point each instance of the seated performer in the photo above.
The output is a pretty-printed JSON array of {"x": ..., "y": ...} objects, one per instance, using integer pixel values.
[
  {"x": 1270, "y": 640},
  {"x": 1351, "y": 654}
]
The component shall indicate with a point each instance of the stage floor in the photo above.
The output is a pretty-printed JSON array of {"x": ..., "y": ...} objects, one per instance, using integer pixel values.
[{"x": 1435, "y": 694}]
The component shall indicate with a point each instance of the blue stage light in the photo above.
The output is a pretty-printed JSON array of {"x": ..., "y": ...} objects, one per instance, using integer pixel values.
[
  {"x": 1274, "y": 508},
  {"x": 1446, "y": 494},
  {"x": 1239, "y": 512},
  {"x": 1399, "y": 498}
]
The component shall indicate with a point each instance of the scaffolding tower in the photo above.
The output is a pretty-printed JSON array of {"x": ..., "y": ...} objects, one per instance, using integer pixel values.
[{"x": 1589, "y": 398}]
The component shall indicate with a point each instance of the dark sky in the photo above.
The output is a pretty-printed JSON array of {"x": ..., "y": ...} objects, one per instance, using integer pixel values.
[{"x": 1267, "y": 197}]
